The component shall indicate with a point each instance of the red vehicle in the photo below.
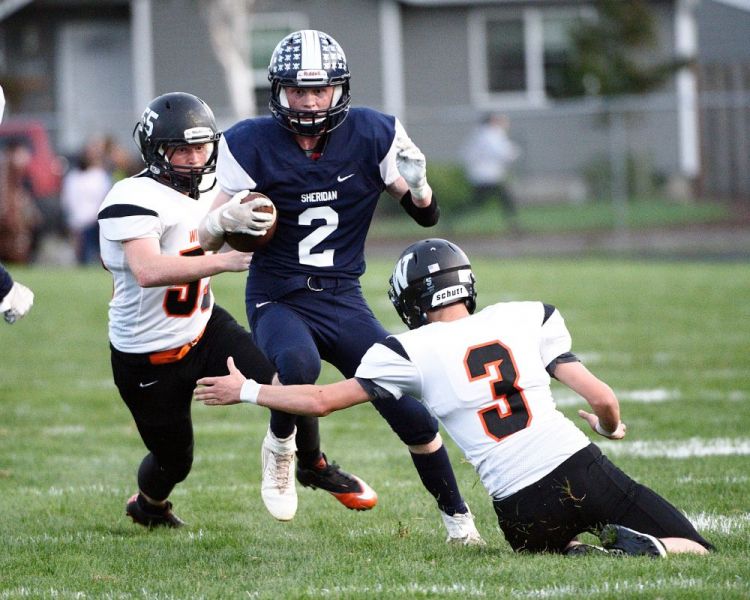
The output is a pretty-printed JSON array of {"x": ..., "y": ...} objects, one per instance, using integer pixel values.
[{"x": 45, "y": 167}]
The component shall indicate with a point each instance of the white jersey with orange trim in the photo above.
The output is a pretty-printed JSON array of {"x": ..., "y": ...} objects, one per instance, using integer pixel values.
[
  {"x": 484, "y": 377},
  {"x": 144, "y": 320}
]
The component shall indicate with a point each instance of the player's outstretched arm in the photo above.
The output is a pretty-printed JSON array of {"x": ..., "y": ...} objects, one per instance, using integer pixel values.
[
  {"x": 313, "y": 400},
  {"x": 606, "y": 418}
]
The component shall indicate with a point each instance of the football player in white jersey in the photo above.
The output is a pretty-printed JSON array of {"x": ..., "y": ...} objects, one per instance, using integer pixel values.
[
  {"x": 164, "y": 329},
  {"x": 486, "y": 377},
  {"x": 15, "y": 298}
]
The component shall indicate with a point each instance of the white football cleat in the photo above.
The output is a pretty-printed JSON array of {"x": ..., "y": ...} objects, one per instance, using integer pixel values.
[
  {"x": 461, "y": 529},
  {"x": 278, "y": 488}
]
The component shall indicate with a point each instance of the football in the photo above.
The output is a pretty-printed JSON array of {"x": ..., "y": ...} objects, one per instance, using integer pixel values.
[{"x": 245, "y": 242}]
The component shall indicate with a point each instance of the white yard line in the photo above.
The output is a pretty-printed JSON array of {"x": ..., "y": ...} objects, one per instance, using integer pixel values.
[{"x": 688, "y": 448}]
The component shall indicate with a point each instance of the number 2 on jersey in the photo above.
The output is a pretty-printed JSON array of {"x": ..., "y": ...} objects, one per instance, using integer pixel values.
[
  {"x": 511, "y": 413},
  {"x": 306, "y": 255}
]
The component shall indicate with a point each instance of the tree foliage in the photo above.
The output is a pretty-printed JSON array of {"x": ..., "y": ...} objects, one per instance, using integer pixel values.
[{"x": 615, "y": 53}]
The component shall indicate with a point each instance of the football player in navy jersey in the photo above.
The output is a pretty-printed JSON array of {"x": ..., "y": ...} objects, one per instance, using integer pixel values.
[
  {"x": 486, "y": 376},
  {"x": 164, "y": 328},
  {"x": 324, "y": 165}
]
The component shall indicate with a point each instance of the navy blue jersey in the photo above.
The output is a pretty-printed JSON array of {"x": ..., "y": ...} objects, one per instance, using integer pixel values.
[{"x": 324, "y": 206}]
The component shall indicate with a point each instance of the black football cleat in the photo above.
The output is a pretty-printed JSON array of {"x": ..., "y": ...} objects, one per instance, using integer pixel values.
[
  {"x": 585, "y": 550},
  {"x": 622, "y": 540},
  {"x": 348, "y": 489},
  {"x": 144, "y": 514}
]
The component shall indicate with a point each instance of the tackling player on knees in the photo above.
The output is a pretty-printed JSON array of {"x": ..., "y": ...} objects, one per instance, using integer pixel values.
[{"x": 487, "y": 378}]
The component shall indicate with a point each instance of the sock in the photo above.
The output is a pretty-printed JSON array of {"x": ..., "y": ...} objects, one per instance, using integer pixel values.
[
  {"x": 146, "y": 506},
  {"x": 308, "y": 443},
  {"x": 282, "y": 424},
  {"x": 437, "y": 476},
  {"x": 311, "y": 459}
]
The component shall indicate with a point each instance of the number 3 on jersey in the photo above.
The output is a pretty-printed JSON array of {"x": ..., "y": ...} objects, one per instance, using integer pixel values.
[{"x": 511, "y": 413}]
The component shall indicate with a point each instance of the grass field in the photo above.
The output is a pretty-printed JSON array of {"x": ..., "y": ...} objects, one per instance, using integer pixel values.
[{"x": 673, "y": 339}]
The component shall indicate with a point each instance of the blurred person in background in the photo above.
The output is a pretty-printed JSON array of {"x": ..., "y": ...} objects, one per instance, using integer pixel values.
[
  {"x": 83, "y": 189},
  {"x": 488, "y": 154},
  {"x": 20, "y": 218},
  {"x": 118, "y": 161}
]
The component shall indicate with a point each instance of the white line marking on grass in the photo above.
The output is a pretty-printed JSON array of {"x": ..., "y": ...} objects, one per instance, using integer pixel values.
[
  {"x": 679, "y": 448},
  {"x": 649, "y": 396},
  {"x": 411, "y": 590},
  {"x": 720, "y": 523},
  {"x": 662, "y": 586},
  {"x": 471, "y": 589},
  {"x": 725, "y": 480},
  {"x": 564, "y": 397}
]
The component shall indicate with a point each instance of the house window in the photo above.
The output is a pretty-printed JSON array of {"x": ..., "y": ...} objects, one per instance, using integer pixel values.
[
  {"x": 522, "y": 55},
  {"x": 557, "y": 29},
  {"x": 268, "y": 29},
  {"x": 506, "y": 64}
]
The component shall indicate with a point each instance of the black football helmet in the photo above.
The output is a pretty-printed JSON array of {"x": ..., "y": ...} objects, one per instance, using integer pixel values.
[
  {"x": 429, "y": 274},
  {"x": 171, "y": 120},
  {"x": 309, "y": 58}
]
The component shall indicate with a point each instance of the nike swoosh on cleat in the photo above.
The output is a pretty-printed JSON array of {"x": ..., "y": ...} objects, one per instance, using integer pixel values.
[
  {"x": 340, "y": 178},
  {"x": 149, "y": 384}
]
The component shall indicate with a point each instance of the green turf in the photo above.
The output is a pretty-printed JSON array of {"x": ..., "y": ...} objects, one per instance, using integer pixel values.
[
  {"x": 676, "y": 332},
  {"x": 556, "y": 218}
]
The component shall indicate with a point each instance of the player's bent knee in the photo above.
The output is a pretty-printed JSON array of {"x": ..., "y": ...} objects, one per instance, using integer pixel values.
[{"x": 295, "y": 368}]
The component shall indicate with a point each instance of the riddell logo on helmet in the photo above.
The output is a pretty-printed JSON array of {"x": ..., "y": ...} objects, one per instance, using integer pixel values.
[
  {"x": 451, "y": 293},
  {"x": 312, "y": 74}
]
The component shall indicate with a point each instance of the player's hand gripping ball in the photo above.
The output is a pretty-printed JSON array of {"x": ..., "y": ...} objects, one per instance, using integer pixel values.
[{"x": 250, "y": 242}]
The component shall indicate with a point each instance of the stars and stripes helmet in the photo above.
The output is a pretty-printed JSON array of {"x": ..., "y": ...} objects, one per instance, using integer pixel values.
[
  {"x": 429, "y": 274},
  {"x": 313, "y": 59},
  {"x": 171, "y": 120}
]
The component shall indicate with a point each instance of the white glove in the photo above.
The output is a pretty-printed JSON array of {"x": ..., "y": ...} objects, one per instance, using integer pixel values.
[
  {"x": 17, "y": 303},
  {"x": 234, "y": 217},
  {"x": 412, "y": 166}
]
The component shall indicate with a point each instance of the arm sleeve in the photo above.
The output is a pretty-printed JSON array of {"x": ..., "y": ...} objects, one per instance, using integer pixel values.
[{"x": 426, "y": 216}]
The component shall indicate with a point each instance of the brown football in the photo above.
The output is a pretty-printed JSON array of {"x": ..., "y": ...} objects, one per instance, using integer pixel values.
[{"x": 245, "y": 242}]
